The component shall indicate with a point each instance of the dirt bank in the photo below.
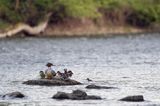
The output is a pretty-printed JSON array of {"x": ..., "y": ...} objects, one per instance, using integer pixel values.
[{"x": 74, "y": 27}]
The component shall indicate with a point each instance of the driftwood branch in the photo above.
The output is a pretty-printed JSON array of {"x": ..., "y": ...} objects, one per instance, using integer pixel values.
[{"x": 27, "y": 29}]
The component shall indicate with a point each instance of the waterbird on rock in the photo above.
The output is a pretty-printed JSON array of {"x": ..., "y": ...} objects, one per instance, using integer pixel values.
[{"x": 89, "y": 80}]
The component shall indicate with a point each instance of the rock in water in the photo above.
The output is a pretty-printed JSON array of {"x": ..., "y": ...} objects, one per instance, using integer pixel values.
[
  {"x": 79, "y": 93},
  {"x": 99, "y": 87},
  {"x": 75, "y": 95},
  {"x": 13, "y": 95},
  {"x": 93, "y": 97},
  {"x": 53, "y": 82},
  {"x": 61, "y": 95},
  {"x": 135, "y": 98}
]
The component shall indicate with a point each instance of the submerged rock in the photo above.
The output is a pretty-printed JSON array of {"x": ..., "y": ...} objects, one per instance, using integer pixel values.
[
  {"x": 13, "y": 95},
  {"x": 75, "y": 95},
  {"x": 99, "y": 87},
  {"x": 53, "y": 82},
  {"x": 135, "y": 98}
]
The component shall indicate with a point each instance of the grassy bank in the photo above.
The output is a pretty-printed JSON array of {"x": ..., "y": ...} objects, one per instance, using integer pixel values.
[{"x": 136, "y": 13}]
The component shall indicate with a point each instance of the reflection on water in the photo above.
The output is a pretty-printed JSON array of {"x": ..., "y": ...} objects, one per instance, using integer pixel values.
[{"x": 129, "y": 63}]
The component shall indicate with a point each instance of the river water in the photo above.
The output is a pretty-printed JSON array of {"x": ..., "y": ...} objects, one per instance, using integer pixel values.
[{"x": 131, "y": 63}]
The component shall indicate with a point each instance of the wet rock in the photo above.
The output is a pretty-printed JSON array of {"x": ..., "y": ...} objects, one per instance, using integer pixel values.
[
  {"x": 79, "y": 93},
  {"x": 135, "y": 98},
  {"x": 99, "y": 87},
  {"x": 53, "y": 82},
  {"x": 13, "y": 95},
  {"x": 93, "y": 97},
  {"x": 75, "y": 95},
  {"x": 61, "y": 95}
]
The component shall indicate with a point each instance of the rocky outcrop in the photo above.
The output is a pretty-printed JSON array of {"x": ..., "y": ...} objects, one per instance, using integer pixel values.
[
  {"x": 99, "y": 87},
  {"x": 13, "y": 95},
  {"x": 75, "y": 95},
  {"x": 135, "y": 98},
  {"x": 53, "y": 82}
]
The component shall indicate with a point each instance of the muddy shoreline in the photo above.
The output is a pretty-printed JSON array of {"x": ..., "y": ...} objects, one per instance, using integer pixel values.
[
  {"x": 75, "y": 28},
  {"x": 49, "y": 31}
]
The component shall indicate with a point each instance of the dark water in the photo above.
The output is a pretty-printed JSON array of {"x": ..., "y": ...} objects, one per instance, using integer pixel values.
[{"x": 131, "y": 63}]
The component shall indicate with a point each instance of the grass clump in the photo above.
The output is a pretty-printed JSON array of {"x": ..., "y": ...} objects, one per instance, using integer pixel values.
[{"x": 80, "y": 8}]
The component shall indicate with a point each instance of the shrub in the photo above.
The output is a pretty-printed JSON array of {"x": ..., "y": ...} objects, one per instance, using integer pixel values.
[{"x": 147, "y": 11}]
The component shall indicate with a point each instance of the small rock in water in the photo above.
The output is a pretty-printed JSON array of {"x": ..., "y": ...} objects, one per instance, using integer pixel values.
[
  {"x": 135, "y": 98},
  {"x": 75, "y": 95},
  {"x": 13, "y": 95},
  {"x": 79, "y": 93},
  {"x": 125, "y": 77},
  {"x": 99, "y": 87},
  {"x": 93, "y": 97},
  {"x": 53, "y": 82},
  {"x": 61, "y": 95}
]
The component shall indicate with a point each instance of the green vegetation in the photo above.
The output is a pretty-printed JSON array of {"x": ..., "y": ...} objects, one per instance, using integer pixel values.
[{"x": 134, "y": 12}]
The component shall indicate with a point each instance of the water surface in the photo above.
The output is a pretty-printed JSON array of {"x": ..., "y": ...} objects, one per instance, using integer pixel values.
[{"x": 131, "y": 63}]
